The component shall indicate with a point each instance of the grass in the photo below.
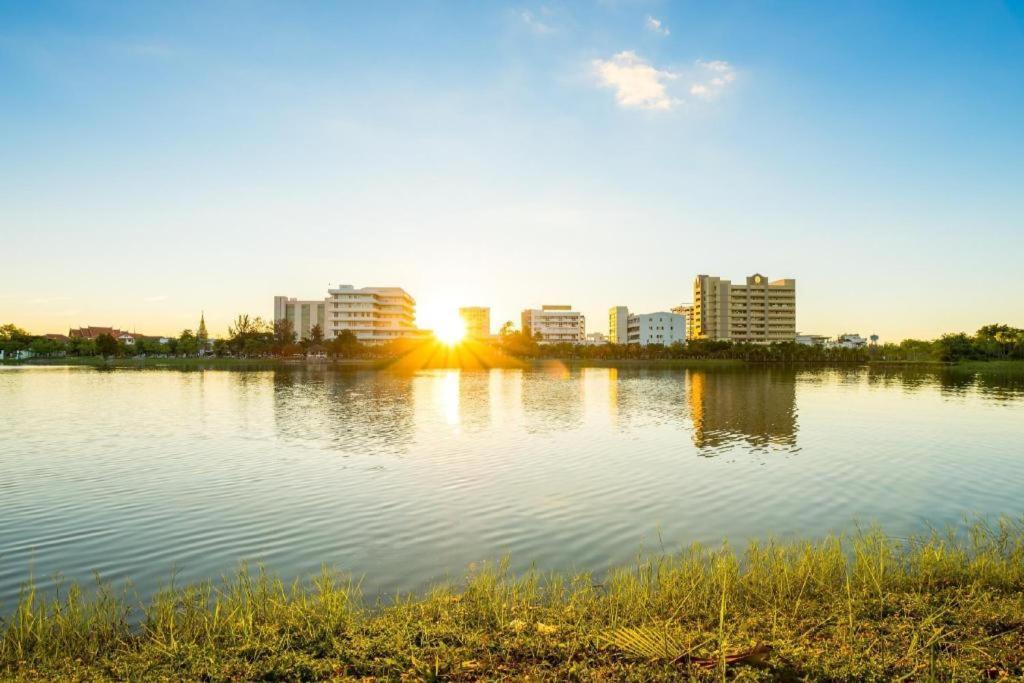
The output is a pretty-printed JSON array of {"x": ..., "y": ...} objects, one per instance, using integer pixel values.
[
  {"x": 990, "y": 366},
  {"x": 947, "y": 606}
]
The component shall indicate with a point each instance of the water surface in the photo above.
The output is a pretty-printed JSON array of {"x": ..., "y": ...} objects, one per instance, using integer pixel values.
[{"x": 408, "y": 479}]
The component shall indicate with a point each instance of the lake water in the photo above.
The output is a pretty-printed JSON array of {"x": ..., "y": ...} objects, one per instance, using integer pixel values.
[{"x": 409, "y": 479}]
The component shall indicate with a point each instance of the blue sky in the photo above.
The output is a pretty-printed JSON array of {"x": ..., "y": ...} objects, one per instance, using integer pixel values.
[{"x": 157, "y": 159}]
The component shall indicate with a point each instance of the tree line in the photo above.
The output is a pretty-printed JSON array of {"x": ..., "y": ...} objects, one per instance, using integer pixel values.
[{"x": 253, "y": 337}]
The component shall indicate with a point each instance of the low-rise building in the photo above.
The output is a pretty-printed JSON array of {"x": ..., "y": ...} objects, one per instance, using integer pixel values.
[
  {"x": 812, "y": 339},
  {"x": 596, "y": 339},
  {"x": 553, "y": 324},
  {"x": 661, "y": 327},
  {"x": 849, "y": 341},
  {"x": 92, "y": 332},
  {"x": 477, "y": 321}
]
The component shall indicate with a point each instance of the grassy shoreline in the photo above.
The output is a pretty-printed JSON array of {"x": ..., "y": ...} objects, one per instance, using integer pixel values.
[{"x": 867, "y": 607}]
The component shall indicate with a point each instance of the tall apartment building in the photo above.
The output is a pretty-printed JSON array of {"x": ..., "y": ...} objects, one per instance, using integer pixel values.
[
  {"x": 617, "y": 320},
  {"x": 759, "y": 311},
  {"x": 555, "y": 324},
  {"x": 304, "y": 314},
  {"x": 477, "y": 320}
]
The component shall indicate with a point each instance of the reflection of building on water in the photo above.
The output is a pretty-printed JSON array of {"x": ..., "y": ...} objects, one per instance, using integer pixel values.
[
  {"x": 755, "y": 407},
  {"x": 363, "y": 412}
]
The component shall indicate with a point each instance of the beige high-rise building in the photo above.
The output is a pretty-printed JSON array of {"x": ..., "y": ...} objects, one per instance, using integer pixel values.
[
  {"x": 759, "y": 312},
  {"x": 477, "y": 320}
]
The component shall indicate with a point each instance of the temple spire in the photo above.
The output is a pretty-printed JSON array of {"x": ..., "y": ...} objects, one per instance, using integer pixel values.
[{"x": 201, "y": 334}]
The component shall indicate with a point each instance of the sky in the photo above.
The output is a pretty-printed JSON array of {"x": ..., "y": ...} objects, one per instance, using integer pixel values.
[{"x": 162, "y": 159}]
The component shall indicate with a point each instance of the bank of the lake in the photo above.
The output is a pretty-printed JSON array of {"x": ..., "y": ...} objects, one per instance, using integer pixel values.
[
  {"x": 229, "y": 363},
  {"x": 949, "y": 606}
]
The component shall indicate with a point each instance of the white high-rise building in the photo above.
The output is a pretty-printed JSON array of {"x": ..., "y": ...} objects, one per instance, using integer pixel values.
[
  {"x": 555, "y": 324},
  {"x": 375, "y": 315}
]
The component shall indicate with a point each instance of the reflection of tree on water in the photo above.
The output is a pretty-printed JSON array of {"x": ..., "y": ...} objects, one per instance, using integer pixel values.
[
  {"x": 755, "y": 406},
  {"x": 360, "y": 412}
]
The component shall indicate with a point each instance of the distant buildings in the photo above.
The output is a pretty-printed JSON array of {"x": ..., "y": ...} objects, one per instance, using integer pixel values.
[
  {"x": 618, "y": 317},
  {"x": 656, "y": 328},
  {"x": 477, "y": 320},
  {"x": 375, "y": 315},
  {"x": 759, "y": 311},
  {"x": 812, "y": 340},
  {"x": 645, "y": 328},
  {"x": 554, "y": 324},
  {"x": 596, "y": 339},
  {"x": 93, "y": 332},
  {"x": 849, "y": 341},
  {"x": 685, "y": 310},
  {"x": 303, "y": 314}
]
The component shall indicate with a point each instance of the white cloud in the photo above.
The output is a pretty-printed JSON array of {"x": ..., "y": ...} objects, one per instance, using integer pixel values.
[
  {"x": 637, "y": 84},
  {"x": 154, "y": 299},
  {"x": 534, "y": 22},
  {"x": 712, "y": 78},
  {"x": 656, "y": 26}
]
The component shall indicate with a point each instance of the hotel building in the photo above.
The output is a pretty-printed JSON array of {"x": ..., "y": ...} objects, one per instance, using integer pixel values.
[
  {"x": 477, "y": 320},
  {"x": 759, "y": 312},
  {"x": 304, "y": 315},
  {"x": 555, "y": 324},
  {"x": 375, "y": 315}
]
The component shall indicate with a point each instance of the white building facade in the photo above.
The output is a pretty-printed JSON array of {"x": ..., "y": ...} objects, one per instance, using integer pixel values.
[
  {"x": 303, "y": 314},
  {"x": 375, "y": 315},
  {"x": 555, "y": 324},
  {"x": 656, "y": 328}
]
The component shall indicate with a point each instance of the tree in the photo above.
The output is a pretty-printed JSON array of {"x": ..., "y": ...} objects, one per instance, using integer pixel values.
[
  {"x": 284, "y": 335},
  {"x": 11, "y": 332},
  {"x": 249, "y": 336},
  {"x": 106, "y": 345},
  {"x": 345, "y": 345},
  {"x": 507, "y": 328},
  {"x": 188, "y": 344},
  {"x": 316, "y": 334},
  {"x": 954, "y": 347}
]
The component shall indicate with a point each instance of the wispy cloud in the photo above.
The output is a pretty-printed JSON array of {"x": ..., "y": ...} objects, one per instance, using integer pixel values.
[
  {"x": 637, "y": 84},
  {"x": 535, "y": 23},
  {"x": 712, "y": 78},
  {"x": 656, "y": 26},
  {"x": 154, "y": 299},
  {"x": 50, "y": 299}
]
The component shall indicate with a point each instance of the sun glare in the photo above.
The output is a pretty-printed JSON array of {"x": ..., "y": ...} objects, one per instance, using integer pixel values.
[{"x": 450, "y": 331}]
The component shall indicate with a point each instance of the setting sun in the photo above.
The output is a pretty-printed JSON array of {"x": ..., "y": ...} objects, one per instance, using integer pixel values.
[{"x": 450, "y": 331}]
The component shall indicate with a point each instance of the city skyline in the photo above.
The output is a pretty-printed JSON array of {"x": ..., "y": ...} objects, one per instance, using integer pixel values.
[{"x": 161, "y": 161}]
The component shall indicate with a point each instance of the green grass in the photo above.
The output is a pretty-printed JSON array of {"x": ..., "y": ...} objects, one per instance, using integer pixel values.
[
  {"x": 868, "y": 607},
  {"x": 990, "y": 366}
]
